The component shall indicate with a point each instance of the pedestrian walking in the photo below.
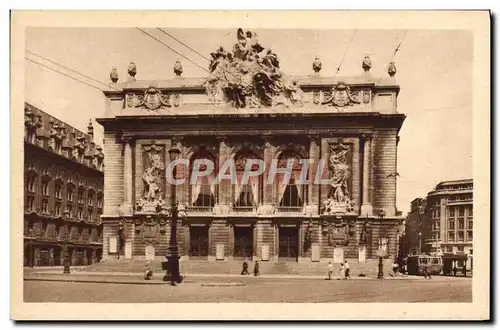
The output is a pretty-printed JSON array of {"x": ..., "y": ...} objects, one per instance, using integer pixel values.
[
  {"x": 244, "y": 271},
  {"x": 464, "y": 269},
  {"x": 148, "y": 273},
  {"x": 347, "y": 270},
  {"x": 256, "y": 269},
  {"x": 427, "y": 274},
  {"x": 330, "y": 270},
  {"x": 395, "y": 268},
  {"x": 341, "y": 271}
]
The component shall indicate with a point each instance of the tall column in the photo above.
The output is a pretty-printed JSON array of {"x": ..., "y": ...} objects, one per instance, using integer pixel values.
[
  {"x": 366, "y": 207},
  {"x": 127, "y": 177},
  {"x": 313, "y": 189},
  {"x": 267, "y": 205},
  {"x": 223, "y": 199}
]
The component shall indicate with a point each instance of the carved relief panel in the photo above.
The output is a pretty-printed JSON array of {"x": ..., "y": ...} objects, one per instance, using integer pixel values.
[
  {"x": 152, "y": 176},
  {"x": 341, "y": 167}
]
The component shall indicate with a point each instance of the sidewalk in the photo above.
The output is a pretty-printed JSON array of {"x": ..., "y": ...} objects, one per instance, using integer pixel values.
[{"x": 137, "y": 278}]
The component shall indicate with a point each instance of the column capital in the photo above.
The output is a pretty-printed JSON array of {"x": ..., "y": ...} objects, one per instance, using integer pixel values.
[
  {"x": 367, "y": 136},
  {"x": 125, "y": 139},
  {"x": 314, "y": 137}
]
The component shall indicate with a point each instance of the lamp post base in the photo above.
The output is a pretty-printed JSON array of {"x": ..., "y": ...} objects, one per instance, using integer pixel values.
[
  {"x": 172, "y": 274},
  {"x": 380, "y": 269}
]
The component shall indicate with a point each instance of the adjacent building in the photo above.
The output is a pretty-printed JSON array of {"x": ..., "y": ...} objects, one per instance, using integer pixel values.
[
  {"x": 442, "y": 223},
  {"x": 63, "y": 192},
  {"x": 247, "y": 108}
]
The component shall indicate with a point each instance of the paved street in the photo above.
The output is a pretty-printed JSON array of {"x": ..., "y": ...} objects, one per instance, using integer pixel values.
[{"x": 439, "y": 289}]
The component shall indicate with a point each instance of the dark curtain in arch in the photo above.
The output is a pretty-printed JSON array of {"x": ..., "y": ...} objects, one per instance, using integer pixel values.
[
  {"x": 203, "y": 191},
  {"x": 246, "y": 194},
  {"x": 290, "y": 194}
]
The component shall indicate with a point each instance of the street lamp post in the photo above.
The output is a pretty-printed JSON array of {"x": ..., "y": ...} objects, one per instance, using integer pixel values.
[
  {"x": 66, "y": 260},
  {"x": 172, "y": 272},
  {"x": 380, "y": 274},
  {"x": 419, "y": 242}
]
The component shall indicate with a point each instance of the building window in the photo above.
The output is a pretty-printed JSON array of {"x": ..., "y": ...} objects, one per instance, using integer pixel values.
[
  {"x": 69, "y": 194},
  {"x": 30, "y": 203},
  {"x": 461, "y": 224},
  {"x": 80, "y": 213},
  {"x": 58, "y": 190},
  {"x": 449, "y": 249},
  {"x": 99, "y": 202},
  {"x": 203, "y": 190},
  {"x": 31, "y": 183},
  {"x": 460, "y": 249},
  {"x": 469, "y": 225},
  {"x": 45, "y": 206},
  {"x": 469, "y": 236},
  {"x": 451, "y": 212},
  {"x": 470, "y": 251},
  {"x": 246, "y": 196},
  {"x": 57, "y": 208},
  {"x": 90, "y": 199},
  {"x": 45, "y": 188},
  {"x": 69, "y": 210},
  {"x": 461, "y": 211},
  {"x": 91, "y": 213},
  {"x": 460, "y": 236},
  {"x": 80, "y": 196},
  {"x": 293, "y": 195},
  {"x": 451, "y": 225},
  {"x": 451, "y": 236},
  {"x": 470, "y": 212}
]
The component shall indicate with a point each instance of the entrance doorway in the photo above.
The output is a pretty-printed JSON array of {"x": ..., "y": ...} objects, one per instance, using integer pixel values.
[
  {"x": 199, "y": 241},
  {"x": 288, "y": 243},
  {"x": 243, "y": 242}
]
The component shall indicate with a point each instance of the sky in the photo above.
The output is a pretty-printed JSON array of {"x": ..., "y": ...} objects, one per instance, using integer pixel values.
[{"x": 434, "y": 71}]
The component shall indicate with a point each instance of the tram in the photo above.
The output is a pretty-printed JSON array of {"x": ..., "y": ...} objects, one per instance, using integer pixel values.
[{"x": 417, "y": 263}]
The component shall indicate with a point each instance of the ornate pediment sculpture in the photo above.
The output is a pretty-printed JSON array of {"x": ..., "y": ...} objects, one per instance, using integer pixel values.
[
  {"x": 250, "y": 76},
  {"x": 341, "y": 96}
]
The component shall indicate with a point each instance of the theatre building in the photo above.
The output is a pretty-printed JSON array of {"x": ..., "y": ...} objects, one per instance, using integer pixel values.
[
  {"x": 246, "y": 108},
  {"x": 63, "y": 192}
]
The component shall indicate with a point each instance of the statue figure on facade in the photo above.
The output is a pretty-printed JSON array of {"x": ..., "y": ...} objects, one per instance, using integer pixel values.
[
  {"x": 178, "y": 68},
  {"x": 317, "y": 65},
  {"x": 132, "y": 70},
  {"x": 250, "y": 76},
  {"x": 113, "y": 75},
  {"x": 152, "y": 177},
  {"x": 367, "y": 63},
  {"x": 391, "y": 70},
  {"x": 339, "y": 200}
]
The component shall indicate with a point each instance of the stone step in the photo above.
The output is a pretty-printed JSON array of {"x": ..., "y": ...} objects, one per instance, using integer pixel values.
[{"x": 368, "y": 268}]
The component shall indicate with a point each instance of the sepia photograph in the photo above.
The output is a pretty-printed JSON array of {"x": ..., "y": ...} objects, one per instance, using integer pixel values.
[{"x": 340, "y": 159}]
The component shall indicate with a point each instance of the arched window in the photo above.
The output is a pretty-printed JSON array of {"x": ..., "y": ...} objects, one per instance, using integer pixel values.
[
  {"x": 246, "y": 195},
  {"x": 293, "y": 193},
  {"x": 203, "y": 190}
]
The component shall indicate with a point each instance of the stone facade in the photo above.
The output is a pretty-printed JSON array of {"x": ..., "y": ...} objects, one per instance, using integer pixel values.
[
  {"x": 350, "y": 123},
  {"x": 63, "y": 192}
]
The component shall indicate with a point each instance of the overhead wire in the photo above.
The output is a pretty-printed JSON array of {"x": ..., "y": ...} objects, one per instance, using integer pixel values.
[
  {"x": 184, "y": 44},
  {"x": 173, "y": 50},
  {"x": 345, "y": 52},
  {"x": 64, "y": 74},
  {"x": 69, "y": 69}
]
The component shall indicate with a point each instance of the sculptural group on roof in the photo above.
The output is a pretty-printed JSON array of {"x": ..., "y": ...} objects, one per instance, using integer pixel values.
[{"x": 250, "y": 76}]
